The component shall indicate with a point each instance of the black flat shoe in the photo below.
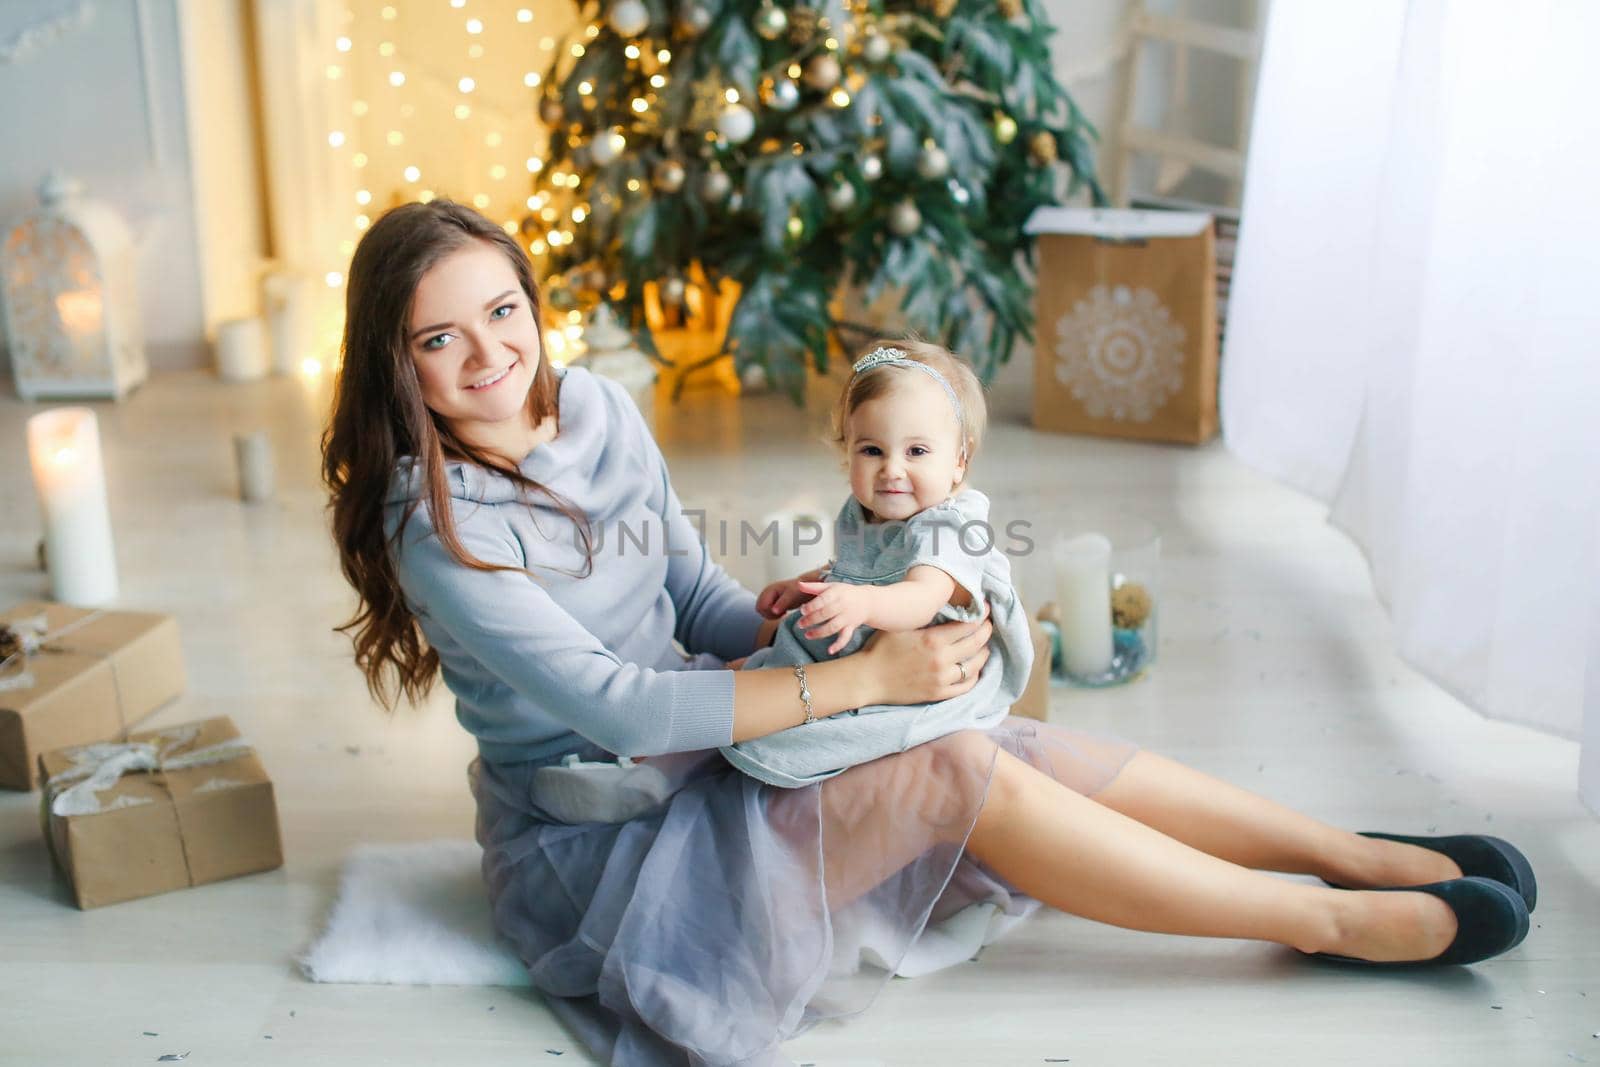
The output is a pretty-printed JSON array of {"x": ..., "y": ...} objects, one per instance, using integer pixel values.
[
  {"x": 1491, "y": 918},
  {"x": 1480, "y": 856}
]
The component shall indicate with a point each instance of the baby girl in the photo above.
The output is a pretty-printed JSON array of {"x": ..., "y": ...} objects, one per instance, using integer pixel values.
[{"x": 913, "y": 548}]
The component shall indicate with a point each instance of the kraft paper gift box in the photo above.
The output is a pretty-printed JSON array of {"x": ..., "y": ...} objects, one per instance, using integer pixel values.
[
  {"x": 1127, "y": 323},
  {"x": 88, "y": 676},
  {"x": 164, "y": 810},
  {"x": 1034, "y": 703}
]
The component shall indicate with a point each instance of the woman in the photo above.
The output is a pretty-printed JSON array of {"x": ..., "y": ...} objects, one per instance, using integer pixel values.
[{"x": 514, "y": 530}]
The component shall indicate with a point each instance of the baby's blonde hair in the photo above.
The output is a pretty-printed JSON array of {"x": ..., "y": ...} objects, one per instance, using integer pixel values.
[{"x": 877, "y": 381}]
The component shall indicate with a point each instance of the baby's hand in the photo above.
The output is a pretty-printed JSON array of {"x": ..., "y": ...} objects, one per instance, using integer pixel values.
[
  {"x": 777, "y": 599},
  {"x": 834, "y": 608}
]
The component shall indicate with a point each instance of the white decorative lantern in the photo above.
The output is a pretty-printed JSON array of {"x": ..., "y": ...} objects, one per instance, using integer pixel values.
[
  {"x": 611, "y": 354},
  {"x": 67, "y": 288}
]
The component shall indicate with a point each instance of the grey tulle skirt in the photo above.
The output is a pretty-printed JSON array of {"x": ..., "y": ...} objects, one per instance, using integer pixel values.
[{"x": 734, "y": 915}]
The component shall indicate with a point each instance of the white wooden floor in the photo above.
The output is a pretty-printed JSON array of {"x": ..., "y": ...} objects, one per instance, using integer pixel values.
[{"x": 1275, "y": 671}]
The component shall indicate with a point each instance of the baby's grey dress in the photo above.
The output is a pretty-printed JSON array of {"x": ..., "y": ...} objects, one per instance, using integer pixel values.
[{"x": 954, "y": 536}]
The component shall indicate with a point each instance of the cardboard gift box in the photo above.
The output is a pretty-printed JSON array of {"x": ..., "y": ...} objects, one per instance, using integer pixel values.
[
  {"x": 166, "y": 809},
  {"x": 1127, "y": 323},
  {"x": 1034, "y": 703},
  {"x": 89, "y": 676}
]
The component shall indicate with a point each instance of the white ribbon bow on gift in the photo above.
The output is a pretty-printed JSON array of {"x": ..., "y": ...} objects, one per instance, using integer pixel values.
[{"x": 102, "y": 765}]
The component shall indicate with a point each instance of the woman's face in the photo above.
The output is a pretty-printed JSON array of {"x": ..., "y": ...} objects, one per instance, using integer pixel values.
[
  {"x": 905, "y": 449},
  {"x": 475, "y": 343}
]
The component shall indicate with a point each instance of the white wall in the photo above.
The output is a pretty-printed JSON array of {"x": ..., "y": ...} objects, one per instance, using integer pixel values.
[{"x": 104, "y": 102}]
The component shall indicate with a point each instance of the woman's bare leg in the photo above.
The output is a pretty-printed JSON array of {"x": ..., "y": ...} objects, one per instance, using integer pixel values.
[
  {"x": 1086, "y": 858},
  {"x": 1241, "y": 827}
]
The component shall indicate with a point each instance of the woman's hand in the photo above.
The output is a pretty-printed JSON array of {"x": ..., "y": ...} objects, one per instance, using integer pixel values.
[
  {"x": 777, "y": 599},
  {"x": 835, "y": 608},
  {"x": 931, "y": 664}
]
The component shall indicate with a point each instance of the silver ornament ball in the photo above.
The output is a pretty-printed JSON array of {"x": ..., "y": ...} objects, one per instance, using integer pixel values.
[
  {"x": 876, "y": 49},
  {"x": 904, "y": 219},
  {"x": 715, "y": 186},
  {"x": 933, "y": 164},
  {"x": 782, "y": 95},
  {"x": 872, "y": 168},
  {"x": 771, "y": 22},
  {"x": 754, "y": 378},
  {"x": 736, "y": 123},
  {"x": 669, "y": 176},
  {"x": 842, "y": 197},
  {"x": 695, "y": 20},
  {"x": 630, "y": 18},
  {"x": 822, "y": 72}
]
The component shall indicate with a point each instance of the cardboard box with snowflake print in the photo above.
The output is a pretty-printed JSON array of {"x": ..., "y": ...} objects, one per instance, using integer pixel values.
[{"x": 1127, "y": 328}]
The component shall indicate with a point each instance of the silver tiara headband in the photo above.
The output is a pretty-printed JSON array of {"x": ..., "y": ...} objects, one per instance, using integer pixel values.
[{"x": 884, "y": 356}]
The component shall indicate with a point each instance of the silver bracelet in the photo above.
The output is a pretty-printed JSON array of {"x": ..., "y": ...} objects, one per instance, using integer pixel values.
[{"x": 805, "y": 696}]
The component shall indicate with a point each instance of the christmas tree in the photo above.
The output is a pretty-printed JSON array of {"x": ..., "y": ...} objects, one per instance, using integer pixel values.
[{"x": 795, "y": 148}]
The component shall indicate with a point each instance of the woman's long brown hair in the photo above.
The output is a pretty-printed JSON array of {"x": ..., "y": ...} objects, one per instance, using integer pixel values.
[{"x": 379, "y": 417}]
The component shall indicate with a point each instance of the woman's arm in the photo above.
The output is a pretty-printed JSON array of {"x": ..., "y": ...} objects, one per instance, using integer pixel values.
[
  {"x": 504, "y": 627},
  {"x": 914, "y": 667}
]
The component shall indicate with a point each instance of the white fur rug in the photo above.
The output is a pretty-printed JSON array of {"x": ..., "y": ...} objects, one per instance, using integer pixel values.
[
  {"x": 412, "y": 915},
  {"x": 418, "y": 914}
]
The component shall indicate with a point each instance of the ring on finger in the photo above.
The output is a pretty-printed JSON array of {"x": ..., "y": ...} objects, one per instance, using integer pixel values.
[{"x": 961, "y": 665}]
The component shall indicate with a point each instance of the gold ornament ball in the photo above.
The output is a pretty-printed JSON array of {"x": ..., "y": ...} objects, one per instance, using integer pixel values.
[
  {"x": 905, "y": 219},
  {"x": 822, "y": 72},
  {"x": 668, "y": 176},
  {"x": 1005, "y": 128},
  {"x": 771, "y": 22},
  {"x": 550, "y": 111},
  {"x": 795, "y": 226},
  {"x": 1130, "y": 606},
  {"x": 1042, "y": 147},
  {"x": 933, "y": 164},
  {"x": 802, "y": 24},
  {"x": 942, "y": 8},
  {"x": 1009, "y": 9}
]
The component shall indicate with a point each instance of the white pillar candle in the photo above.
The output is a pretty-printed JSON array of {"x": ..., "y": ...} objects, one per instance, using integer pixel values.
[
  {"x": 1083, "y": 592},
  {"x": 252, "y": 454},
  {"x": 240, "y": 355},
  {"x": 64, "y": 450},
  {"x": 287, "y": 302}
]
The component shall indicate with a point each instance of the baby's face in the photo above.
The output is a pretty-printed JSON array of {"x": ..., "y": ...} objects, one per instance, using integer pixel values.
[{"x": 905, "y": 448}]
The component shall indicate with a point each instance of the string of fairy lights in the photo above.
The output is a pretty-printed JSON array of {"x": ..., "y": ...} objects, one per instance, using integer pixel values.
[{"x": 391, "y": 59}]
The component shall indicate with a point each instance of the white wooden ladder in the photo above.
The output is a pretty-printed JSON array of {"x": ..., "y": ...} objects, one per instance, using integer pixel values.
[{"x": 1178, "y": 153}]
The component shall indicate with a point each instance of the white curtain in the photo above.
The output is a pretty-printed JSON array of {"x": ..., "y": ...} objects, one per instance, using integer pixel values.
[{"x": 1414, "y": 329}]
